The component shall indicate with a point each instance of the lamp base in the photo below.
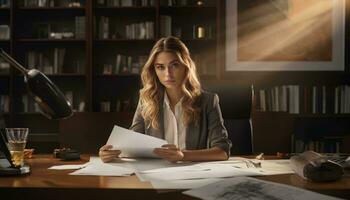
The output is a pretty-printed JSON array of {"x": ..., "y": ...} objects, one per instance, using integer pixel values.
[{"x": 9, "y": 171}]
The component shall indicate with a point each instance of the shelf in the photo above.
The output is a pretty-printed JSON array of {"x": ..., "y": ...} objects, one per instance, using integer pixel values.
[
  {"x": 194, "y": 41},
  {"x": 122, "y": 11},
  {"x": 209, "y": 10},
  {"x": 118, "y": 75},
  {"x": 187, "y": 7},
  {"x": 123, "y": 40},
  {"x": 57, "y": 75},
  {"x": 126, "y": 8},
  {"x": 341, "y": 115},
  {"x": 52, "y": 40},
  {"x": 3, "y": 40},
  {"x": 4, "y": 9},
  {"x": 38, "y": 113},
  {"x": 65, "y": 75},
  {"x": 303, "y": 115},
  {"x": 50, "y": 8}
]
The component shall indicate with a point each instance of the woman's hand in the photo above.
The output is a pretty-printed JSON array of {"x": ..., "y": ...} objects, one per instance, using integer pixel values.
[
  {"x": 108, "y": 155},
  {"x": 169, "y": 152}
]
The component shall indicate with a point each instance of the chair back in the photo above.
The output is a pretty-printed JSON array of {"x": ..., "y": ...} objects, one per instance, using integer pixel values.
[{"x": 236, "y": 105}]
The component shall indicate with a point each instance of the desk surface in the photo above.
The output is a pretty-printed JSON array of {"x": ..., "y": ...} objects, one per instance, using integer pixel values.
[{"x": 57, "y": 184}]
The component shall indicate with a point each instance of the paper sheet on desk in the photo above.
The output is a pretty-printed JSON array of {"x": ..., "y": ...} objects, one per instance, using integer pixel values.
[
  {"x": 183, "y": 184},
  {"x": 133, "y": 144},
  {"x": 268, "y": 167},
  {"x": 98, "y": 168},
  {"x": 213, "y": 171}
]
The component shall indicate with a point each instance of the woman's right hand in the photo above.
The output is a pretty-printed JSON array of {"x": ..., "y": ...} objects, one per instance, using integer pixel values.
[{"x": 107, "y": 155}]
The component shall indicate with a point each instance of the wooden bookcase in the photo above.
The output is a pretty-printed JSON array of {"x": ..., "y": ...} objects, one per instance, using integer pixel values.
[{"x": 37, "y": 40}]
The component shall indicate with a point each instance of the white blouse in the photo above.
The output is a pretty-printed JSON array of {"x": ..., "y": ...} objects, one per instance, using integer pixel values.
[{"x": 175, "y": 130}]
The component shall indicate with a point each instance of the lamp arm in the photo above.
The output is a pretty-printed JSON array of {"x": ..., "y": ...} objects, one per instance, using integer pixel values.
[{"x": 12, "y": 62}]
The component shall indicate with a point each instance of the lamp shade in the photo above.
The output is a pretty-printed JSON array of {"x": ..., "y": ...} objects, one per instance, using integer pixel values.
[{"x": 50, "y": 99}]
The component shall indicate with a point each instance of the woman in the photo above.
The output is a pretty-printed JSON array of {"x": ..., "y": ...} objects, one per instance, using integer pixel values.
[{"x": 173, "y": 106}]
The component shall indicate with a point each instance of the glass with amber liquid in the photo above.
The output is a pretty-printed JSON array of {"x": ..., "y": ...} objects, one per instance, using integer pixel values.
[{"x": 17, "y": 139}]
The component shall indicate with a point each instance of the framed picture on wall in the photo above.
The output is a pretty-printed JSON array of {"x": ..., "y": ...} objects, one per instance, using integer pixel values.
[{"x": 285, "y": 35}]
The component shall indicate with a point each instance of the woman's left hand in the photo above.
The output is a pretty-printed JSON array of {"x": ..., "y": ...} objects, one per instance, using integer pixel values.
[{"x": 169, "y": 152}]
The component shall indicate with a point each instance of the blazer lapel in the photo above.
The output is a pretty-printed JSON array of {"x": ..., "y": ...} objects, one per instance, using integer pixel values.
[
  {"x": 161, "y": 121},
  {"x": 192, "y": 136}
]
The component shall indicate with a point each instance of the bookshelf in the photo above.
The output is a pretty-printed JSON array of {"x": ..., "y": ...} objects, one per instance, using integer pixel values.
[
  {"x": 320, "y": 123},
  {"x": 94, "y": 51}
]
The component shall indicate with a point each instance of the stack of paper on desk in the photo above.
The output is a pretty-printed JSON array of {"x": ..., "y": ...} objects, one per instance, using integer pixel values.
[
  {"x": 204, "y": 173},
  {"x": 133, "y": 144}
]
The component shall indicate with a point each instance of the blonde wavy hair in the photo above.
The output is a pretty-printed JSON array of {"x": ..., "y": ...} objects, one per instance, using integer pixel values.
[{"x": 153, "y": 90}]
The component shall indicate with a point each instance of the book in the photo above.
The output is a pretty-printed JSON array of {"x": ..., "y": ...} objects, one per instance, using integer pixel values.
[{"x": 165, "y": 25}]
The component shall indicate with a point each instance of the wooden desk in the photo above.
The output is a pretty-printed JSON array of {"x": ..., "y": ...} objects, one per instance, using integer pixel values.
[{"x": 57, "y": 184}]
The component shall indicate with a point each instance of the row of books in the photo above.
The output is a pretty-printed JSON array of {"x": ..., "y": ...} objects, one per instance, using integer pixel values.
[
  {"x": 4, "y": 3},
  {"x": 199, "y": 31},
  {"x": 187, "y": 2},
  {"x": 66, "y": 30},
  {"x": 4, "y": 103},
  {"x": 125, "y": 3},
  {"x": 296, "y": 99},
  {"x": 29, "y": 105},
  {"x": 125, "y": 64},
  {"x": 142, "y": 30},
  {"x": 322, "y": 145},
  {"x": 4, "y": 67},
  {"x": 49, "y": 62},
  {"x": 80, "y": 27},
  {"x": 119, "y": 106},
  {"x": 4, "y": 32},
  {"x": 53, "y": 3}
]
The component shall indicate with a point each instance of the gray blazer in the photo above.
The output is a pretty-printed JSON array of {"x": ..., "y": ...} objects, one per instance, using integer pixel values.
[{"x": 209, "y": 132}]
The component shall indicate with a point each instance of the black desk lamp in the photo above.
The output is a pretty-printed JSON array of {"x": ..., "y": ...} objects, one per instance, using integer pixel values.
[{"x": 50, "y": 99}]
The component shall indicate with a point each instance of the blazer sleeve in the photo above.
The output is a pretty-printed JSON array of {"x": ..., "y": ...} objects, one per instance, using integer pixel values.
[
  {"x": 217, "y": 133},
  {"x": 138, "y": 123}
]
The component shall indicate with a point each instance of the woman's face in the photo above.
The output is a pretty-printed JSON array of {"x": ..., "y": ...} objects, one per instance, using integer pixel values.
[{"x": 170, "y": 71}]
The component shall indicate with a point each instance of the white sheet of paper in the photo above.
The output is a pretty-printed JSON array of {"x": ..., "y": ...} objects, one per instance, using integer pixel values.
[
  {"x": 176, "y": 169},
  {"x": 97, "y": 168},
  {"x": 137, "y": 164},
  {"x": 251, "y": 188},
  {"x": 65, "y": 167},
  {"x": 268, "y": 167},
  {"x": 183, "y": 184},
  {"x": 133, "y": 144},
  {"x": 213, "y": 171}
]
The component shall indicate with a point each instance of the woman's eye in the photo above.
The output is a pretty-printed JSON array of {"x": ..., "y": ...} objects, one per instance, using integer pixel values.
[
  {"x": 159, "y": 67},
  {"x": 175, "y": 65}
]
